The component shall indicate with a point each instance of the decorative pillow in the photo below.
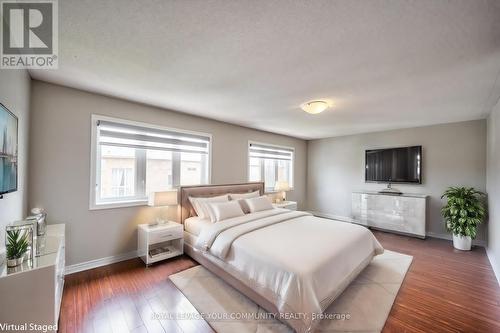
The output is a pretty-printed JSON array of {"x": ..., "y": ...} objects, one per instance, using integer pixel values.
[
  {"x": 224, "y": 210},
  {"x": 259, "y": 204},
  {"x": 195, "y": 205},
  {"x": 200, "y": 207},
  {"x": 240, "y": 197}
]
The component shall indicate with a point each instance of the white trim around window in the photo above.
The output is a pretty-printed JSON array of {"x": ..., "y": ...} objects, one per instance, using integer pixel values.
[
  {"x": 95, "y": 153},
  {"x": 278, "y": 147}
]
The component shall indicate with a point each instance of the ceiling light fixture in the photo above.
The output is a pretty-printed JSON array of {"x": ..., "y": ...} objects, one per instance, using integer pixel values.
[{"x": 315, "y": 107}]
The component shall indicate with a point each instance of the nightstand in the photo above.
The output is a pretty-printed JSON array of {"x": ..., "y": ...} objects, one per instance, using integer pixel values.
[
  {"x": 292, "y": 205},
  {"x": 160, "y": 242}
]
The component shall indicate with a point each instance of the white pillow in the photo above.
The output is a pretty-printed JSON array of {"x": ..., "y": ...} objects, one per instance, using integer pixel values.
[
  {"x": 240, "y": 198},
  {"x": 224, "y": 210},
  {"x": 196, "y": 206},
  {"x": 236, "y": 196},
  {"x": 200, "y": 207},
  {"x": 259, "y": 204}
]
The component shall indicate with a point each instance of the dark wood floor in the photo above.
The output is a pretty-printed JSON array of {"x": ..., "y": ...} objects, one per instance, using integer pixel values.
[{"x": 445, "y": 290}]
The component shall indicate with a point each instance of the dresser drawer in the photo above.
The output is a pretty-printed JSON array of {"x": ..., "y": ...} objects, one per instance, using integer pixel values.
[{"x": 165, "y": 235}]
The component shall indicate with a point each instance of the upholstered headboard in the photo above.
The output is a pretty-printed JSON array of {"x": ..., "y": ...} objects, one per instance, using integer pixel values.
[{"x": 212, "y": 191}]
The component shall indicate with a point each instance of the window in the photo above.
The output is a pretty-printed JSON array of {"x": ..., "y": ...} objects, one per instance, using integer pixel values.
[
  {"x": 131, "y": 160},
  {"x": 270, "y": 164}
]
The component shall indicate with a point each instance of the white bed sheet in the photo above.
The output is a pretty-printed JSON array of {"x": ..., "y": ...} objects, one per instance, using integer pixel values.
[
  {"x": 298, "y": 262},
  {"x": 194, "y": 225}
]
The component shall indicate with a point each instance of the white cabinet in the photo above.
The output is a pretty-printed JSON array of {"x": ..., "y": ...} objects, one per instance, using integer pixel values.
[
  {"x": 400, "y": 213},
  {"x": 31, "y": 293},
  {"x": 159, "y": 242}
]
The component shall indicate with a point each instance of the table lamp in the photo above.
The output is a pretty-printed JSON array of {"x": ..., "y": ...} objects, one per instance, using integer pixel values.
[
  {"x": 162, "y": 199},
  {"x": 282, "y": 186}
]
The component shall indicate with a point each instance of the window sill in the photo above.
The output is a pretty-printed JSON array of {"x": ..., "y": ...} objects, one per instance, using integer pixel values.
[{"x": 117, "y": 204}]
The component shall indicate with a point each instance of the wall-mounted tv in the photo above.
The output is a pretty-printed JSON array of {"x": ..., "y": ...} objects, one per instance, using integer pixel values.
[
  {"x": 8, "y": 151},
  {"x": 394, "y": 165}
]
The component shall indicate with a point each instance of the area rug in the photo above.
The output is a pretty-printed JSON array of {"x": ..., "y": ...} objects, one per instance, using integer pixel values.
[{"x": 363, "y": 307}]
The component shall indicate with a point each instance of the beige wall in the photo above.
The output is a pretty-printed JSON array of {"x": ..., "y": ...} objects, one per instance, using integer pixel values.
[
  {"x": 453, "y": 154},
  {"x": 60, "y": 165},
  {"x": 493, "y": 186},
  {"x": 15, "y": 95}
]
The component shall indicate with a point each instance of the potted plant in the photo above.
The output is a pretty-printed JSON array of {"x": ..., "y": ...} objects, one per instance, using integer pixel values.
[
  {"x": 17, "y": 245},
  {"x": 463, "y": 213}
]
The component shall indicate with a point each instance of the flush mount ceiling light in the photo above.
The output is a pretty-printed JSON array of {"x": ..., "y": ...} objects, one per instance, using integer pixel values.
[{"x": 315, "y": 107}]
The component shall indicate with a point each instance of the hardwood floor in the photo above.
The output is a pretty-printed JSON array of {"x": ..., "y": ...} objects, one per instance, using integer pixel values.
[
  {"x": 123, "y": 298},
  {"x": 445, "y": 290}
]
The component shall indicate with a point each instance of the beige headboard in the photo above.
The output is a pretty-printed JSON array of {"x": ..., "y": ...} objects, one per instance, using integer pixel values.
[{"x": 212, "y": 191}]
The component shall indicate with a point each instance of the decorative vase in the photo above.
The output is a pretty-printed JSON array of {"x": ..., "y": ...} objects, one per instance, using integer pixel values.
[
  {"x": 15, "y": 262},
  {"x": 462, "y": 242}
]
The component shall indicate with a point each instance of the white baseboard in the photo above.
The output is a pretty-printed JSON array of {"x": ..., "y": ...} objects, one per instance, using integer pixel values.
[
  {"x": 99, "y": 262},
  {"x": 476, "y": 242},
  {"x": 493, "y": 263}
]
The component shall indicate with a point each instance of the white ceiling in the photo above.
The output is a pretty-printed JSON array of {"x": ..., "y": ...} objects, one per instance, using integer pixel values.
[{"x": 384, "y": 64}]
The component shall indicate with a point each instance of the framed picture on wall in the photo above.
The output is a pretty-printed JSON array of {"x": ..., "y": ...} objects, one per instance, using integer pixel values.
[{"x": 8, "y": 151}]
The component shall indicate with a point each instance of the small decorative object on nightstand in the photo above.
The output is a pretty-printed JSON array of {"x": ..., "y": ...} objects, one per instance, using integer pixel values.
[
  {"x": 159, "y": 242},
  {"x": 292, "y": 205}
]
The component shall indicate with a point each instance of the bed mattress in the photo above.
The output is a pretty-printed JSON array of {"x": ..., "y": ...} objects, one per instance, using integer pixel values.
[{"x": 300, "y": 263}]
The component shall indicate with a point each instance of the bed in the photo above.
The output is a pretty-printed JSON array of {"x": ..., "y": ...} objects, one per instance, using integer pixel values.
[{"x": 291, "y": 263}]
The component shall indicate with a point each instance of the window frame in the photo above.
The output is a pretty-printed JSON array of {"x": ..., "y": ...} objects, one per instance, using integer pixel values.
[
  {"x": 95, "y": 167},
  {"x": 262, "y": 174}
]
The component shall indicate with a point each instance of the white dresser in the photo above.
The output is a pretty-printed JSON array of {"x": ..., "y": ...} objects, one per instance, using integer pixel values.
[
  {"x": 404, "y": 213},
  {"x": 31, "y": 294}
]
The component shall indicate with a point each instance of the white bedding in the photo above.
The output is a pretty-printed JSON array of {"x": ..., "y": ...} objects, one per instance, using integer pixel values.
[
  {"x": 295, "y": 260},
  {"x": 194, "y": 225}
]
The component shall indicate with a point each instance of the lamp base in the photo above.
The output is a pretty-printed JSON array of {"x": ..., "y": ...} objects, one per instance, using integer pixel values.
[
  {"x": 281, "y": 198},
  {"x": 158, "y": 221}
]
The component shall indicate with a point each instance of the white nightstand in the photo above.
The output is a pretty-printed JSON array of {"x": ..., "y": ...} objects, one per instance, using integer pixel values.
[
  {"x": 159, "y": 242},
  {"x": 292, "y": 205}
]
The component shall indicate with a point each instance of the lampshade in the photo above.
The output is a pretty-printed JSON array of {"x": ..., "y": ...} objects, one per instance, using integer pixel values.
[
  {"x": 166, "y": 198},
  {"x": 281, "y": 186}
]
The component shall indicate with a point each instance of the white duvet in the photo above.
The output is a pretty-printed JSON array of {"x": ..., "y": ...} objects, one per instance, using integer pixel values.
[{"x": 299, "y": 262}]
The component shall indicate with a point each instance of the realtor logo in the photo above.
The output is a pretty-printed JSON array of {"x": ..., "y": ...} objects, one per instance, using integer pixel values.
[{"x": 29, "y": 34}]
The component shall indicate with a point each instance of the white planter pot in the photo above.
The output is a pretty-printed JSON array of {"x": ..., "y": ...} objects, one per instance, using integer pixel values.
[{"x": 462, "y": 242}]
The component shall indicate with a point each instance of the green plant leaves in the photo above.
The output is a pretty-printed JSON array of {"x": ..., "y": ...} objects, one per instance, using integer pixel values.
[
  {"x": 17, "y": 244},
  {"x": 464, "y": 210}
]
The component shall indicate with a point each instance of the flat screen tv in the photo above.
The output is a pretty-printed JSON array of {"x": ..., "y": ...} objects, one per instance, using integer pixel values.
[
  {"x": 394, "y": 165},
  {"x": 8, "y": 151}
]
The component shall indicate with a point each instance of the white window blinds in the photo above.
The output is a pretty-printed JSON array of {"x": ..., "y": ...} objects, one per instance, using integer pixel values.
[
  {"x": 270, "y": 152},
  {"x": 132, "y": 136}
]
